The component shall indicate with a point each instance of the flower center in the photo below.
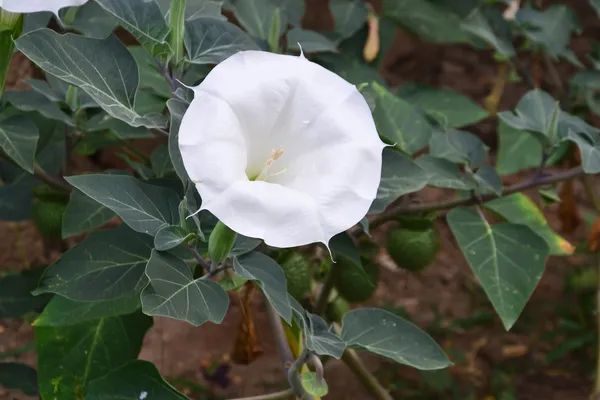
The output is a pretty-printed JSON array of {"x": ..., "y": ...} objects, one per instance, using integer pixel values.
[{"x": 264, "y": 173}]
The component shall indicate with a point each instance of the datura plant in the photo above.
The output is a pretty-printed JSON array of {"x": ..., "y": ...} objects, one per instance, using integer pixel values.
[{"x": 254, "y": 159}]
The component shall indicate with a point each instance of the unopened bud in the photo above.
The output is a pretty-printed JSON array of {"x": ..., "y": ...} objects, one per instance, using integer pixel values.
[
  {"x": 220, "y": 242},
  {"x": 10, "y": 21}
]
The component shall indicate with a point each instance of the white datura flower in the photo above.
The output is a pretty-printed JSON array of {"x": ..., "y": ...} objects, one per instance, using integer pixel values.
[
  {"x": 31, "y": 6},
  {"x": 281, "y": 149}
]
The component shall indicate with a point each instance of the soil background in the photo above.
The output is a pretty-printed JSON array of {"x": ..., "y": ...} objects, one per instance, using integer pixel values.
[{"x": 447, "y": 288}]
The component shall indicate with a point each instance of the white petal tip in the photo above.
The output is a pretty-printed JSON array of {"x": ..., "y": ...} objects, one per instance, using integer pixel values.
[{"x": 301, "y": 51}]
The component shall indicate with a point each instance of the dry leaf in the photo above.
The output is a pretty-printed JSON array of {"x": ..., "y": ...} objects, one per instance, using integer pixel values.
[
  {"x": 372, "y": 45},
  {"x": 594, "y": 236},
  {"x": 568, "y": 212},
  {"x": 247, "y": 346},
  {"x": 514, "y": 350}
]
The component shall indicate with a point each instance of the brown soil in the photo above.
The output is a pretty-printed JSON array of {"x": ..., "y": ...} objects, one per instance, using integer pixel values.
[{"x": 447, "y": 288}]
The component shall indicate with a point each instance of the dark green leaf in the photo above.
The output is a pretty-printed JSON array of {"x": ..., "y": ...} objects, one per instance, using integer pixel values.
[
  {"x": 15, "y": 293},
  {"x": 70, "y": 357},
  {"x": 144, "y": 20},
  {"x": 177, "y": 108},
  {"x": 351, "y": 69},
  {"x": 489, "y": 25},
  {"x": 150, "y": 77},
  {"x": 161, "y": 162},
  {"x": 103, "y": 68},
  {"x": 142, "y": 170},
  {"x": 92, "y": 20},
  {"x": 145, "y": 208},
  {"x": 452, "y": 109},
  {"x": 321, "y": 339},
  {"x": 19, "y": 376},
  {"x": 83, "y": 214},
  {"x": 309, "y": 41},
  {"x": 384, "y": 333},
  {"x": 136, "y": 380},
  {"x": 174, "y": 293},
  {"x": 398, "y": 121},
  {"x": 169, "y": 237},
  {"x": 489, "y": 180},
  {"x": 104, "y": 123},
  {"x": 259, "y": 267},
  {"x": 107, "y": 265},
  {"x": 18, "y": 139},
  {"x": 589, "y": 146},
  {"x": 16, "y": 201},
  {"x": 243, "y": 245},
  {"x": 210, "y": 40},
  {"x": 399, "y": 176},
  {"x": 444, "y": 174},
  {"x": 348, "y": 16},
  {"x": 31, "y": 100},
  {"x": 342, "y": 245},
  {"x": 460, "y": 147},
  {"x": 518, "y": 150},
  {"x": 508, "y": 259},
  {"x": 44, "y": 88}
]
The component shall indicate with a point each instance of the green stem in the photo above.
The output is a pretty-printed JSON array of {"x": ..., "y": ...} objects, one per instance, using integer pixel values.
[
  {"x": 354, "y": 363},
  {"x": 17, "y": 352},
  {"x": 323, "y": 298}
]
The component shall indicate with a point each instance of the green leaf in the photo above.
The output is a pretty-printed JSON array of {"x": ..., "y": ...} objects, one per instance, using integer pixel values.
[
  {"x": 386, "y": 334},
  {"x": 161, "y": 162},
  {"x": 195, "y": 8},
  {"x": 108, "y": 264},
  {"x": 348, "y": 16},
  {"x": 102, "y": 122},
  {"x": 309, "y": 41},
  {"x": 19, "y": 376},
  {"x": 489, "y": 180},
  {"x": 589, "y": 146},
  {"x": 460, "y": 147},
  {"x": 177, "y": 108},
  {"x": 15, "y": 202},
  {"x": 259, "y": 267},
  {"x": 210, "y": 40},
  {"x": 489, "y": 25},
  {"x": 508, "y": 259},
  {"x": 145, "y": 208},
  {"x": 83, "y": 214},
  {"x": 518, "y": 150},
  {"x": 169, "y": 237},
  {"x": 135, "y": 380},
  {"x": 144, "y": 20},
  {"x": 243, "y": 245},
  {"x": 15, "y": 293},
  {"x": 92, "y": 20},
  {"x": 444, "y": 174},
  {"x": 452, "y": 108},
  {"x": 520, "y": 209},
  {"x": 257, "y": 16},
  {"x": 321, "y": 339},
  {"x": 398, "y": 121},
  {"x": 61, "y": 311},
  {"x": 428, "y": 21},
  {"x": 103, "y": 68},
  {"x": 7, "y": 47},
  {"x": 31, "y": 100},
  {"x": 399, "y": 176},
  {"x": 314, "y": 386},
  {"x": 18, "y": 139},
  {"x": 70, "y": 357},
  {"x": 174, "y": 293},
  {"x": 150, "y": 77}
]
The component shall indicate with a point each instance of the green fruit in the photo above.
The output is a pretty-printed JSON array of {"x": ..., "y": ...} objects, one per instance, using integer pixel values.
[
  {"x": 298, "y": 274},
  {"x": 354, "y": 284},
  {"x": 413, "y": 249},
  {"x": 48, "y": 216},
  {"x": 337, "y": 309},
  {"x": 48, "y": 194}
]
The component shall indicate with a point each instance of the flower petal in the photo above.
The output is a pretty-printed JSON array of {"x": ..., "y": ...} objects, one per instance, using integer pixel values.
[{"x": 31, "y": 6}]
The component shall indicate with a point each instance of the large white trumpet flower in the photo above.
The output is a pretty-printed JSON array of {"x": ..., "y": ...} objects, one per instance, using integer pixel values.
[
  {"x": 30, "y": 6},
  {"x": 281, "y": 149}
]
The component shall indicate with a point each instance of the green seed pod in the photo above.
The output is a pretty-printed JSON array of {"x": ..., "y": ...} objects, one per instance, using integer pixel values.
[{"x": 220, "y": 242}]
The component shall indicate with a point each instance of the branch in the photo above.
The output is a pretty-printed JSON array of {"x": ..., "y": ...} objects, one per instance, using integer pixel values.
[
  {"x": 323, "y": 299},
  {"x": 199, "y": 259},
  {"x": 444, "y": 205},
  {"x": 354, "y": 363},
  {"x": 50, "y": 180}
]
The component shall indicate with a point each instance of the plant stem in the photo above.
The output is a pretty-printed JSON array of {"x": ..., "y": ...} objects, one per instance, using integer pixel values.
[
  {"x": 596, "y": 393},
  {"x": 444, "y": 205},
  {"x": 199, "y": 259},
  {"x": 17, "y": 352},
  {"x": 323, "y": 298},
  {"x": 284, "y": 394},
  {"x": 55, "y": 182},
  {"x": 355, "y": 364}
]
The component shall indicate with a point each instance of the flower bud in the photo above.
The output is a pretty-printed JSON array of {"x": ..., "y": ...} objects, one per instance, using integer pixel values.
[
  {"x": 220, "y": 242},
  {"x": 9, "y": 20}
]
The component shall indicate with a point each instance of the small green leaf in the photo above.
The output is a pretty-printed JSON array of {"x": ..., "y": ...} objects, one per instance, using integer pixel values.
[
  {"x": 161, "y": 162},
  {"x": 145, "y": 208},
  {"x": 589, "y": 146},
  {"x": 386, "y": 334},
  {"x": 19, "y": 376},
  {"x": 70, "y": 357},
  {"x": 243, "y": 245},
  {"x": 170, "y": 237},
  {"x": 210, "y": 40},
  {"x": 144, "y": 20},
  {"x": 398, "y": 121},
  {"x": 108, "y": 264},
  {"x": 348, "y": 16},
  {"x": 83, "y": 214},
  {"x": 15, "y": 293},
  {"x": 399, "y": 176},
  {"x": 314, "y": 386},
  {"x": 444, "y": 174},
  {"x": 177, "y": 108},
  {"x": 103, "y": 68},
  {"x": 454, "y": 109},
  {"x": 321, "y": 339},
  {"x": 91, "y": 20},
  {"x": 257, "y": 16},
  {"x": 135, "y": 380},
  {"x": 489, "y": 180},
  {"x": 61, "y": 311},
  {"x": 31, "y": 100},
  {"x": 520, "y": 209},
  {"x": 18, "y": 138},
  {"x": 309, "y": 41},
  {"x": 460, "y": 147},
  {"x": 150, "y": 77},
  {"x": 232, "y": 282},
  {"x": 518, "y": 150},
  {"x": 174, "y": 293},
  {"x": 259, "y": 267},
  {"x": 508, "y": 259},
  {"x": 489, "y": 25}
]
